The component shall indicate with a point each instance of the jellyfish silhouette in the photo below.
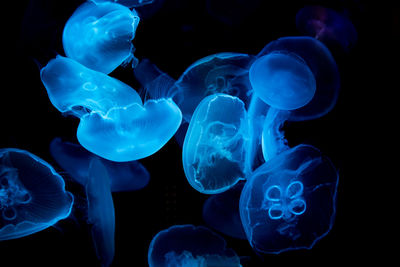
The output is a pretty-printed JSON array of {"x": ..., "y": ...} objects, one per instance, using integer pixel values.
[
  {"x": 214, "y": 147},
  {"x": 73, "y": 158},
  {"x": 32, "y": 194},
  {"x": 327, "y": 25},
  {"x": 323, "y": 67},
  {"x": 100, "y": 36},
  {"x": 74, "y": 89},
  {"x": 188, "y": 245},
  {"x": 127, "y": 3},
  {"x": 219, "y": 73},
  {"x": 101, "y": 212},
  {"x": 288, "y": 203}
]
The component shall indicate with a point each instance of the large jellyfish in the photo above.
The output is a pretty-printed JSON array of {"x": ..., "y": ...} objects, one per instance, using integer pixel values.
[
  {"x": 214, "y": 147},
  {"x": 219, "y": 73},
  {"x": 319, "y": 60},
  {"x": 73, "y": 88},
  {"x": 289, "y": 202},
  {"x": 327, "y": 25},
  {"x": 100, "y": 36},
  {"x": 190, "y": 246},
  {"x": 32, "y": 194},
  {"x": 127, "y": 3},
  {"x": 73, "y": 158}
]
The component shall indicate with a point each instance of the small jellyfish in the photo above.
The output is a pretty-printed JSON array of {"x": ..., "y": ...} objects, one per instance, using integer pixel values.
[
  {"x": 232, "y": 12},
  {"x": 127, "y": 3},
  {"x": 73, "y": 158},
  {"x": 289, "y": 202},
  {"x": 73, "y": 88},
  {"x": 190, "y": 246},
  {"x": 99, "y": 36},
  {"x": 219, "y": 73},
  {"x": 214, "y": 147},
  {"x": 101, "y": 213},
  {"x": 221, "y": 212},
  {"x": 132, "y": 132},
  {"x": 323, "y": 67},
  {"x": 282, "y": 80},
  {"x": 32, "y": 194},
  {"x": 327, "y": 25}
]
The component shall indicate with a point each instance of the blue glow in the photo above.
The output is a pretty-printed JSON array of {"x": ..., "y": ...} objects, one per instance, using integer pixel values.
[
  {"x": 289, "y": 202},
  {"x": 188, "y": 245},
  {"x": 101, "y": 211},
  {"x": 282, "y": 80},
  {"x": 327, "y": 25},
  {"x": 73, "y": 158},
  {"x": 219, "y": 73},
  {"x": 32, "y": 194},
  {"x": 100, "y": 36},
  {"x": 213, "y": 150},
  {"x": 132, "y": 132},
  {"x": 321, "y": 63},
  {"x": 127, "y": 3},
  {"x": 73, "y": 88}
]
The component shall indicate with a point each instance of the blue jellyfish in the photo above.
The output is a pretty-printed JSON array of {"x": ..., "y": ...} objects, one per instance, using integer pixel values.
[
  {"x": 323, "y": 67},
  {"x": 219, "y": 73},
  {"x": 73, "y": 88},
  {"x": 190, "y": 246},
  {"x": 73, "y": 158},
  {"x": 221, "y": 212},
  {"x": 32, "y": 194},
  {"x": 282, "y": 80},
  {"x": 132, "y": 132},
  {"x": 232, "y": 12},
  {"x": 288, "y": 203},
  {"x": 214, "y": 147},
  {"x": 127, "y": 3},
  {"x": 99, "y": 36},
  {"x": 101, "y": 213},
  {"x": 327, "y": 25}
]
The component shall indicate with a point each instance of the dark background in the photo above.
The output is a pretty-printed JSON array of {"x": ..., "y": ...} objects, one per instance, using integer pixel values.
[{"x": 179, "y": 33}]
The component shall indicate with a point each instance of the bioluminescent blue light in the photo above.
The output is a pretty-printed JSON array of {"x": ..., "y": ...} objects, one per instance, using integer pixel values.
[
  {"x": 32, "y": 194},
  {"x": 73, "y": 158},
  {"x": 73, "y": 88},
  {"x": 188, "y": 245},
  {"x": 101, "y": 213},
  {"x": 327, "y": 25},
  {"x": 214, "y": 147},
  {"x": 132, "y": 132},
  {"x": 127, "y": 3},
  {"x": 283, "y": 81},
  {"x": 219, "y": 73},
  {"x": 99, "y": 36},
  {"x": 323, "y": 66},
  {"x": 288, "y": 203},
  {"x": 232, "y": 12},
  {"x": 221, "y": 212}
]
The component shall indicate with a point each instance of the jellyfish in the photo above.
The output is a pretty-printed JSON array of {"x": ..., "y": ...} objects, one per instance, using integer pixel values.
[
  {"x": 132, "y": 132},
  {"x": 74, "y": 89},
  {"x": 99, "y": 36},
  {"x": 127, "y": 3},
  {"x": 214, "y": 147},
  {"x": 32, "y": 194},
  {"x": 221, "y": 212},
  {"x": 101, "y": 211},
  {"x": 219, "y": 73},
  {"x": 319, "y": 60},
  {"x": 73, "y": 158},
  {"x": 327, "y": 25},
  {"x": 189, "y": 246},
  {"x": 288, "y": 203},
  {"x": 232, "y": 12}
]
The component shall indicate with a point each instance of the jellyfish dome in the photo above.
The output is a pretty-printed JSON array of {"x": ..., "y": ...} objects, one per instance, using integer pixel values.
[
  {"x": 127, "y": 3},
  {"x": 218, "y": 73},
  {"x": 73, "y": 88},
  {"x": 32, "y": 194},
  {"x": 320, "y": 61},
  {"x": 190, "y": 246},
  {"x": 214, "y": 147},
  {"x": 99, "y": 36},
  {"x": 289, "y": 202}
]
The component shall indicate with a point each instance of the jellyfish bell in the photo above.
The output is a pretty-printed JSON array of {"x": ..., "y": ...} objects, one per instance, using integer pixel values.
[
  {"x": 127, "y": 3},
  {"x": 99, "y": 36},
  {"x": 32, "y": 194}
]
